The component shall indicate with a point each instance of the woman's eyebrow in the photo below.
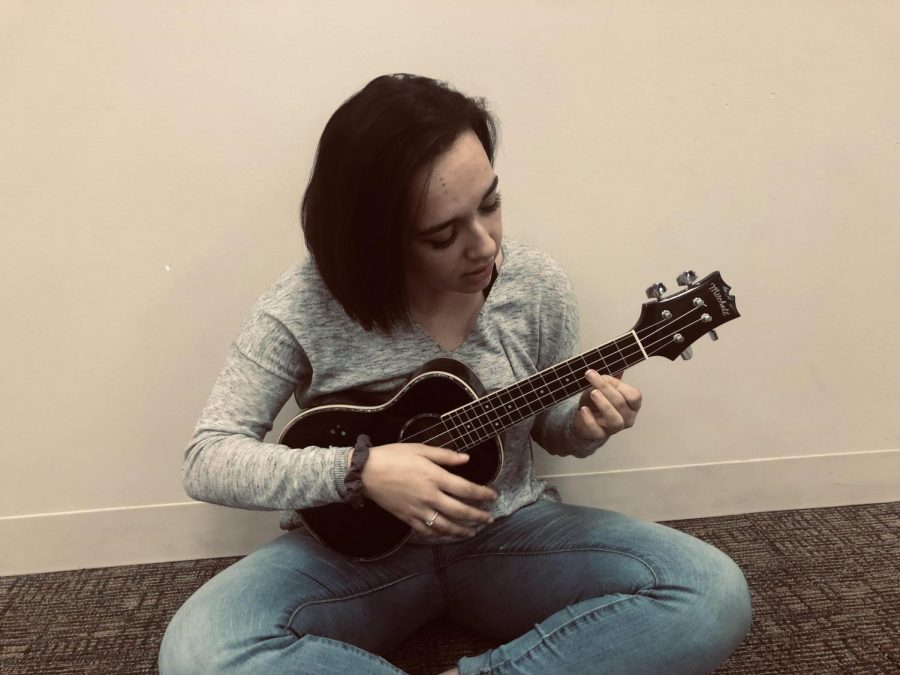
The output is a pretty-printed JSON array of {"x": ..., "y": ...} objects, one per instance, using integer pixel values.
[
  {"x": 454, "y": 221},
  {"x": 492, "y": 187}
]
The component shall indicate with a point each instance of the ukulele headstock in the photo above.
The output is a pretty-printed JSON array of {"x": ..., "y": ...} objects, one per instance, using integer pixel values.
[{"x": 669, "y": 325}]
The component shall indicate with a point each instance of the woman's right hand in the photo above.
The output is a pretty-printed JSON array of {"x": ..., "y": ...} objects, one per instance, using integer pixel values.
[{"x": 409, "y": 480}]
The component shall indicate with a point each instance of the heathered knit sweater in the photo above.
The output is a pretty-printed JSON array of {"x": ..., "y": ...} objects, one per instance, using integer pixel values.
[{"x": 298, "y": 340}]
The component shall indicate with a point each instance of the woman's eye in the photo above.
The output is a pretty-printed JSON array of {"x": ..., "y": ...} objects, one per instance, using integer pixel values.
[
  {"x": 493, "y": 206},
  {"x": 444, "y": 243}
]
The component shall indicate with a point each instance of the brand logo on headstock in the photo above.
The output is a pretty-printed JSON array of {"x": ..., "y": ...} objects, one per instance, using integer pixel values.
[{"x": 723, "y": 305}]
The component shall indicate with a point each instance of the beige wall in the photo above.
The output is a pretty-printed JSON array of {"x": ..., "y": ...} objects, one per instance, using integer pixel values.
[{"x": 154, "y": 153}]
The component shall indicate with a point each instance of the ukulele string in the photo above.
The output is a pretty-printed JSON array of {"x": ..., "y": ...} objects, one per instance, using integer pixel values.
[
  {"x": 477, "y": 420},
  {"x": 476, "y": 434},
  {"x": 622, "y": 362},
  {"x": 483, "y": 431}
]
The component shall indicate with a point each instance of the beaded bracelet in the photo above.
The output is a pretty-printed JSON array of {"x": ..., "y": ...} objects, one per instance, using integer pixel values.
[{"x": 353, "y": 479}]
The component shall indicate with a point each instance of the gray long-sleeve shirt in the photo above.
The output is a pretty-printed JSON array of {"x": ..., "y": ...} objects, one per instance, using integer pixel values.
[{"x": 298, "y": 340}]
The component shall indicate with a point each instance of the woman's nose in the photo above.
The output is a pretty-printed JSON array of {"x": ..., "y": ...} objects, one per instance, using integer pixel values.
[{"x": 482, "y": 245}]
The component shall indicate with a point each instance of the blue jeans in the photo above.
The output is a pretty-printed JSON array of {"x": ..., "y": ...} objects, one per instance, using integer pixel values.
[{"x": 564, "y": 589}]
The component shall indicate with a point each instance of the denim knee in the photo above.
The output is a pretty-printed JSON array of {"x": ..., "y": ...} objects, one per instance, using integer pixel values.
[
  {"x": 200, "y": 640},
  {"x": 723, "y": 600},
  {"x": 207, "y": 636},
  {"x": 189, "y": 644},
  {"x": 174, "y": 650}
]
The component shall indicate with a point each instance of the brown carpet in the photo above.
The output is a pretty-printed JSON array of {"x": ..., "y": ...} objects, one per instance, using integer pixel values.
[{"x": 825, "y": 586}]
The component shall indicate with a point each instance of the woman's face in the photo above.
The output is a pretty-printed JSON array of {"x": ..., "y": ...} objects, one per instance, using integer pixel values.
[{"x": 457, "y": 237}]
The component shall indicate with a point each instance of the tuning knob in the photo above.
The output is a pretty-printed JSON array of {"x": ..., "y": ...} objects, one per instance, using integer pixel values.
[
  {"x": 687, "y": 354},
  {"x": 686, "y": 278},
  {"x": 656, "y": 291},
  {"x": 712, "y": 335}
]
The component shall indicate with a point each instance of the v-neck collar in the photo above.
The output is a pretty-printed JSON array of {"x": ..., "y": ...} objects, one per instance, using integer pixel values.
[{"x": 489, "y": 293}]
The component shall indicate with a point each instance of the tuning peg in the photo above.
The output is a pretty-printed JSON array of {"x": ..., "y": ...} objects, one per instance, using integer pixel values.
[
  {"x": 686, "y": 278},
  {"x": 656, "y": 290},
  {"x": 687, "y": 354},
  {"x": 712, "y": 335}
]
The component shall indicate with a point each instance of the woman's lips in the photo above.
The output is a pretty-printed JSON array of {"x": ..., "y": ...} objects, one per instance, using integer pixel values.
[{"x": 480, "y": 272}]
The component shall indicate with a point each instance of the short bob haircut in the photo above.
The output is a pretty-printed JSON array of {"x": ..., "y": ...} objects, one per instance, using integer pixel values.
[{"x": 359, "y": 208}]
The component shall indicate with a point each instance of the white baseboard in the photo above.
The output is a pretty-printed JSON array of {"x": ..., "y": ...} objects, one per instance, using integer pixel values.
[
  {"x": 189, "y": 530},
  {"x": 51, "y": 542},
  {"x": 742, "y": 486}
]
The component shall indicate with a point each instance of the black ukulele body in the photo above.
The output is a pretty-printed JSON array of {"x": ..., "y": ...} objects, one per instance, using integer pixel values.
[{"x": 412, "y": 415}]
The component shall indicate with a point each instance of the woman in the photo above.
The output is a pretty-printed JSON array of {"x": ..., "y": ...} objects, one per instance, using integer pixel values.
[{"x": 407, "y": 263}]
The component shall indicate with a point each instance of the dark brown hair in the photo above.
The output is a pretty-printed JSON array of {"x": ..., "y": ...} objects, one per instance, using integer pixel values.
[{"x": 359, "y": 205}]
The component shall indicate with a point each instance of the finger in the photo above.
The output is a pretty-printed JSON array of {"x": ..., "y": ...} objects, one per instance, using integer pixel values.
[
  {"x": 450, "y": 527},
  {"x": 443, "y": 455},
  {"x": 632, "y": 395},
  {"x": 465, "y": 489},
  {"x": 462, "y": 513},
  {"x": 612, "y": 419},
  {"x": 607, "y": 401},
  {"x": 441, "y": 525},
  {"x": 419, "y": 527},
  {"x": 607, "y": 384},
  {"x": 418, "y": 519},
  {"x": 593, "y": 429},
  {"x": 593, "y": 377},
  {"x": 612, "y": 393},
  {"x": 617, "y": 396},
  {"x": 598, "y": 383},
  {"x": 626, "y": 399}
]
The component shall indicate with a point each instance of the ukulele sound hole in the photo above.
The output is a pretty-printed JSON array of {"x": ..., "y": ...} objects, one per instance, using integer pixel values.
[
  {"x": 483, "y": 458},
  {"x": 425, "y": 427}
]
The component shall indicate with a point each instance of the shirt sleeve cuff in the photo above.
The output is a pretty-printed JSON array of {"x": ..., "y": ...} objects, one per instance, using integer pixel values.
[{"x": 339, "y": 469}]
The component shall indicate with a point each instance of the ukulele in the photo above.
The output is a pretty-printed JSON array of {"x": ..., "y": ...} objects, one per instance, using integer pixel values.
[{"x": 445, "y": 405}]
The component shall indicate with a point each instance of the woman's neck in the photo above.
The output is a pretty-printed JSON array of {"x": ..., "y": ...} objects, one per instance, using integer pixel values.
[
  {"x": 449, "y": 317},
  {"x": 449, "y": 320}
]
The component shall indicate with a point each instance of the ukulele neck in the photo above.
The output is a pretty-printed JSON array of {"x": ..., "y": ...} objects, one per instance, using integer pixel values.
[{"x": 484, "y": 418}]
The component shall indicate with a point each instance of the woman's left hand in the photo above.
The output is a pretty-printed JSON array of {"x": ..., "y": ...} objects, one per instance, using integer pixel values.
[{"x": 607, "y": 407}]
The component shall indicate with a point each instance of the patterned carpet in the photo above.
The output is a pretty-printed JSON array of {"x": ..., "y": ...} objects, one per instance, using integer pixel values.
[{"x": 825, "y": 586}]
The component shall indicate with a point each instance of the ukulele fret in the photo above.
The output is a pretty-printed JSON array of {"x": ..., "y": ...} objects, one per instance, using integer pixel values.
[
  {"x": 489, "y": 415},
  {"x": 462, "y": 426}
]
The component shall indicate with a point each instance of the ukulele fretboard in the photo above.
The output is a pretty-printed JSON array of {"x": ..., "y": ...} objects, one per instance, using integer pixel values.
[{"x": 484, "y": 418}]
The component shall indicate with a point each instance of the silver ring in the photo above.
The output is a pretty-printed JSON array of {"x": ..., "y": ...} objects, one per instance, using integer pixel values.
[{"x": 430, "y": 521}]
